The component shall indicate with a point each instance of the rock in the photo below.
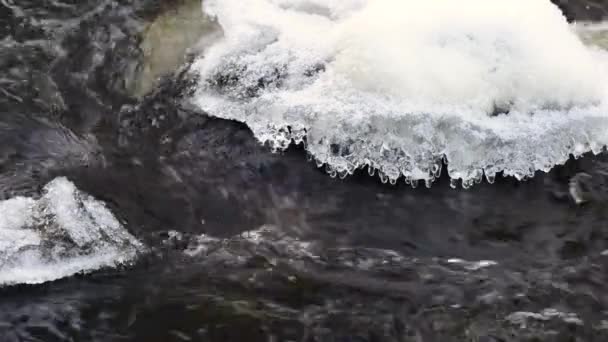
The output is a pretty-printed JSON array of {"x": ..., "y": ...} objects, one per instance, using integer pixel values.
[
  {"x": 169, "y": 39},
  {"x": 583, "y": 10}
]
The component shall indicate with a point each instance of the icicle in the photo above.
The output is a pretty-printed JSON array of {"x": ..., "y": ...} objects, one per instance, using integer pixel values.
[
  {"x": 491, "y": 177},
  {"x": 414, "y": 183},
  {"x": 383, "y": 177},
  {"x": 454, "y": 183}
]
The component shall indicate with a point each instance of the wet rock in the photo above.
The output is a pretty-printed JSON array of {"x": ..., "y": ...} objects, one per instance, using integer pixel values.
[
  {"x": 166, "y": 42},
  {"x": 583, "y": 10}
]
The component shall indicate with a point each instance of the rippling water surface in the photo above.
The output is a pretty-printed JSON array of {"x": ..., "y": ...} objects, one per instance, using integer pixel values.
[{"x": 128, "y": 214}]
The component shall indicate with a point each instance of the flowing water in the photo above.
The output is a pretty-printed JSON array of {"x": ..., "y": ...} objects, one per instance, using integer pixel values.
[{"x": 138, "y": 201}]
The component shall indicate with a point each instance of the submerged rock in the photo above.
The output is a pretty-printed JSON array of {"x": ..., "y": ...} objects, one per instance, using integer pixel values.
[{"x": 166, "y": 42}]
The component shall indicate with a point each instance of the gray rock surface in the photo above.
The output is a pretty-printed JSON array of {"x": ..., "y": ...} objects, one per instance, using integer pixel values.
[{"x": 583, "y": 10}]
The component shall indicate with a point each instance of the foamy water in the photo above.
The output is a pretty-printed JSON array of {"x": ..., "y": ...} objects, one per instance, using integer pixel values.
[
  {"x": 63, "y": 233},
  {"x": 398, "y": 85}
]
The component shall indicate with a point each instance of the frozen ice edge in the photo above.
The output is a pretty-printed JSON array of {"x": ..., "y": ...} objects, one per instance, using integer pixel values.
[
  {"x": 44, "y": 273},
  {"x": 61, "y": 234},
  {"x": 280, "y": 138}
]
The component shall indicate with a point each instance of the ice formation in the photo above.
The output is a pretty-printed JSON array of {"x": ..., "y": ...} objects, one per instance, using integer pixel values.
[
  {"x": 401, "y": 85},
  {"x": 63, "y": 233}
]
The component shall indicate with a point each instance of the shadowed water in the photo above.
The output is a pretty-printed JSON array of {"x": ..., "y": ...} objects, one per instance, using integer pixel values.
[{"x": 247, "y": 245}]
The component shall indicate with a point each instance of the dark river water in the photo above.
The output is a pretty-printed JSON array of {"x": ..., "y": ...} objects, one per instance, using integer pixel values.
[{"x": 246, "y": 245}]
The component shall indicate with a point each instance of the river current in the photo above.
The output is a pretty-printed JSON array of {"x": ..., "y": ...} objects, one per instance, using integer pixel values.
[{"x": 138, "y": 201}]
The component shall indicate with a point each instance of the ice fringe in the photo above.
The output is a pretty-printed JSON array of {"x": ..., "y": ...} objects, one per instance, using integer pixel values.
[{"x": 63, "y": 233}]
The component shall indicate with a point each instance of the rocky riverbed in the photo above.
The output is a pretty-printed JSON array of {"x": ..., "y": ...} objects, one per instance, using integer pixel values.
[{"x": 243, "y": 244}]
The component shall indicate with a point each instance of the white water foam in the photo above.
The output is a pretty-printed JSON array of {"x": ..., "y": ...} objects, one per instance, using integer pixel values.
[
  {"x": 523, "y": 318},
  {"x": 398, "y": 85},
  {"x": 63, "y": 233}
]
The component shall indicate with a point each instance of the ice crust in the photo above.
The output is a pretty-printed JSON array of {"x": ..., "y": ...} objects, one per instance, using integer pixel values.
[
  {"x": 399, "y": 86},
  {"x": 62, "y": 233}
]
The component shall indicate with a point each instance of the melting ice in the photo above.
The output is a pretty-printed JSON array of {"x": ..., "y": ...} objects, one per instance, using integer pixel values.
[
  {"x": 63, "y": 233},
  {"x": 399, "y": 85}
]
